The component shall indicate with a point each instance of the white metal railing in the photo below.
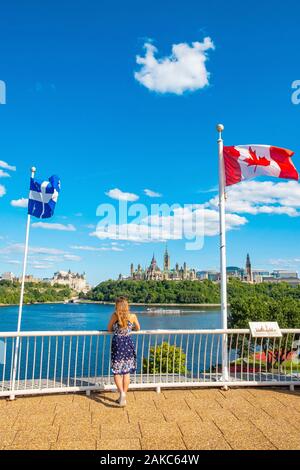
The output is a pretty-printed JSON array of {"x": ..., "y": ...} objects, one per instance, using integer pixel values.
[{"x": 61, "y": 361}]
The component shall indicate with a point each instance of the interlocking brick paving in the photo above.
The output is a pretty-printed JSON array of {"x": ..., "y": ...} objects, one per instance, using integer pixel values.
[{"x": 174, "y": 419}]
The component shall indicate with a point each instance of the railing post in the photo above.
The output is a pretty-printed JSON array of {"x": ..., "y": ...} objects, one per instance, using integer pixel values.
[
  {"x": 14, "y": 358},
  {"x": 225, "y": 371}
]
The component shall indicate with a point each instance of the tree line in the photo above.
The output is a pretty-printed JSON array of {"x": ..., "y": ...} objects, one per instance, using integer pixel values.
[
  {"x": 248, "y": 302},
  {"x": 156, "y": 291},
  {"x": 34, "y": 292}
]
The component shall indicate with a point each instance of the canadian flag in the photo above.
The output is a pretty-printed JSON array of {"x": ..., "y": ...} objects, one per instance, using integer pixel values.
[{"x": 247, "y": 161}]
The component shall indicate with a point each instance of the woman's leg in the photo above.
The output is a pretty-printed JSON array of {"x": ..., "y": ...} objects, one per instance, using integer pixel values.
[
  {"x": 119, "y": 383},
  {"x": 126, "y": 382}
]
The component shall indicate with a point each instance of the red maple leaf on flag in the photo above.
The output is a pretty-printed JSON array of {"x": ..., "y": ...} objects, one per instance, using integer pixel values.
[{"x": 256, "y": 161}]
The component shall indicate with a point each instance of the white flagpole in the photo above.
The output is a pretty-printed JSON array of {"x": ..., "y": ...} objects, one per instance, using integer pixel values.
[
  {"x": 16, "y": 353},
  {"x": 223, "y": 273}
]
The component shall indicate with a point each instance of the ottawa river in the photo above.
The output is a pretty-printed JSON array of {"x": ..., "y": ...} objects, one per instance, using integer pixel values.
[
  {"x": 83, "y": 317},
  {"x": 53, "y": 317}
]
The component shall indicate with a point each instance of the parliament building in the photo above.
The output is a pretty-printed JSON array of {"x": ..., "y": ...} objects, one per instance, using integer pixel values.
[{"x": 154, "y": 273}]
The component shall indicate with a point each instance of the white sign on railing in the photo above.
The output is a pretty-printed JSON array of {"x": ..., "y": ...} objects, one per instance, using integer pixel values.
[{"x": 265, "y": 329}]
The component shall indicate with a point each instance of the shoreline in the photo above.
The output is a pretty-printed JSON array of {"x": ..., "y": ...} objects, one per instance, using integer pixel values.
[
  {"x": 134, "y": 304},
  {"x": 156, "y": 304},
  {"x": 37, "y": 303}
]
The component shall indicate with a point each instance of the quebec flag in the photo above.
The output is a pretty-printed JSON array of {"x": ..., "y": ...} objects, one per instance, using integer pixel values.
[{"x": 43, "y": 197}]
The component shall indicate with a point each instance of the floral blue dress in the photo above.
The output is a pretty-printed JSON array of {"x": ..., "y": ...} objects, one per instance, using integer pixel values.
[{"x": 123, "y": 356}]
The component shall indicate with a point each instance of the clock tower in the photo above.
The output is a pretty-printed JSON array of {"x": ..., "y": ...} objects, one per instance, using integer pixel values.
[{"x": 166, "y": 260}]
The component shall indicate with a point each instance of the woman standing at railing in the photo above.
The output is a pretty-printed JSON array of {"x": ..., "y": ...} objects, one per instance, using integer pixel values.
[{"x": 123, "y": 356}]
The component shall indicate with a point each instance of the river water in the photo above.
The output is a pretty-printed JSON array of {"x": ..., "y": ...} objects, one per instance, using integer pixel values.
[
  {"x": 58, "y": 357},
  {"x": 48, "y": 317}
]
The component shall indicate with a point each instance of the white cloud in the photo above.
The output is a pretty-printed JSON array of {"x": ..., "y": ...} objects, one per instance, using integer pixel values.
[
  {"x": 46, "y": 251},
  {"x": 262, "y": 197},
  {"x": 121, "y": 196},
  {"x": 36, "y": 259},
  {"x": 96, "y": 248},
  {"x": 249, "y": 197},
  {"x": 57, "y": 258},
  {"x": 85, "y": 248},
  {"x": 214, "y": 189},
  {"x": 69, "y": 257},
  {"x": 6, "y": 166},
  {"x": 182, "y": 223},
  {"x": 4, "y": 174},
  {"x": 110, "y": 248},
  {"x": 151, "y": 193},
  {"x": 19, "y": 248},
  {"x": 130, "y": 232},
  {"x": 51, "y": 259},
  {"x": 51, "y": 226},
  {"x": 38, "y": 265},
  {"x": 284, "y": 263},
  {"x": 184, "y": 70},
  {"x": 23, "y": 202}
]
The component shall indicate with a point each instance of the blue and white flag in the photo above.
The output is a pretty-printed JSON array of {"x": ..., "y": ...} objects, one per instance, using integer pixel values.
[{"x": 43, "y": 197}]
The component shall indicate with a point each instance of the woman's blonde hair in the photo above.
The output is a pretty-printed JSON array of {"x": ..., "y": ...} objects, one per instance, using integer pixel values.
[{"x": 122, "y": 311}]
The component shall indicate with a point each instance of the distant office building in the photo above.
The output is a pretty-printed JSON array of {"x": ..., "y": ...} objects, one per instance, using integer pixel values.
[
  {"x": 8, "y": 276},
  {"x": 210, "y": 275},
  {"x": 283, "y": 273},
  {"x": 234, "y": 271},
  {"x": 258, "y": 275},
  {"x": 260, "y": 272},
  {"x": 292, "y": 281},
  {"x": 202, "y": 275},
  {"x": 30, "y": 278},
  {"x": 75, "y": 281}
]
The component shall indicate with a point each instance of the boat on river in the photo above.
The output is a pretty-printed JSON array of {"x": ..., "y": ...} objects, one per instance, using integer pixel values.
[{"x": 163, "y": 311}]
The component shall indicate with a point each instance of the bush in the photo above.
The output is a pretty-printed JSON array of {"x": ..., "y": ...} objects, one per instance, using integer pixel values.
[{"x": 165, "y": 359}]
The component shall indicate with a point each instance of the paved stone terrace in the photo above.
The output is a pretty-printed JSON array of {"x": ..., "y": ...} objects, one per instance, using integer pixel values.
[{"x": 175, "y": 419}]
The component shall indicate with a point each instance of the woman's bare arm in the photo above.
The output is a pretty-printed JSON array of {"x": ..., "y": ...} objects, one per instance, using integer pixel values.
[
  {"x": 112, "y": 320},
  {"x": 135, "y": 322}
]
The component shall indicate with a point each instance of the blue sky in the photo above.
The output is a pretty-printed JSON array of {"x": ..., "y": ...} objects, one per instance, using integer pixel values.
[{"x": 74, "y": 107}]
